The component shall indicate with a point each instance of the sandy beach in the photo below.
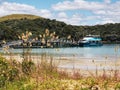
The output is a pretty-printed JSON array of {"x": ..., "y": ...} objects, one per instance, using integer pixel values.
[{"x": 85, "y": 66}]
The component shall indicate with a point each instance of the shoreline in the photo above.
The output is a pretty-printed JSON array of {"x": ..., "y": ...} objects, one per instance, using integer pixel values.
[{"x": 71, "y": 64}]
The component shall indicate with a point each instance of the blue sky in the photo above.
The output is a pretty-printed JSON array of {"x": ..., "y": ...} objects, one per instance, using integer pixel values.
[{"x": 75, "y": 12}]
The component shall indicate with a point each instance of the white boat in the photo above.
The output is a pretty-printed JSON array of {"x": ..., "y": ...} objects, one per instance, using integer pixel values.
[{"x": 90, "y": 40}]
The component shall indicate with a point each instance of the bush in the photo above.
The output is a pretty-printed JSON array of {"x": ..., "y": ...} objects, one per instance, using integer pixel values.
[
  {"x": 117, "y": 87},
  {"x": 27, "y": 66},
  {"x": 3, "y": 71},
  {"x": 8, "y": 72}
]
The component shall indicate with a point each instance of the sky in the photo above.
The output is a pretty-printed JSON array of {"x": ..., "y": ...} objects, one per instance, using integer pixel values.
[{"x": 74, "y": 12}]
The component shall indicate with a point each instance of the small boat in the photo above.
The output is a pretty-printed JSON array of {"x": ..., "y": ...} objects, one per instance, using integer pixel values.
[{"x": 90, "y": 40}]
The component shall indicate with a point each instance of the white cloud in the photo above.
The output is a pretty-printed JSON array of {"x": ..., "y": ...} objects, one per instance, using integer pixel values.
[
  {"x": 62, "y": 15},
  {"x": 106, "y": 21},
  {"x": 107, "y": 1},
  {"x": 104, "y": 12},
  {"x": 77, "y": 4},
  {"x": 44, "y": 13},
  {"x": 16, "y": 8},
  {"x": 74, "y": 19},
  {"x": 101, "y": 12}
]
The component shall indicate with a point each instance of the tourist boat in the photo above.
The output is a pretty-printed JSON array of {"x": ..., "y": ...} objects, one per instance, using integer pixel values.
[{"x": 90, "y": 40}]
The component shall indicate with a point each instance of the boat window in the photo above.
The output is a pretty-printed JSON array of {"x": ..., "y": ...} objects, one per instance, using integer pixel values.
[
  {"x": 97, "y": 41},
  {"x": 93, "y": 41},
  {"x": 90, "y": 41}
]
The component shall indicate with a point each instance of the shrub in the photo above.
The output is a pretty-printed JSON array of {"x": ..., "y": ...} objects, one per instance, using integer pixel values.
[
  {"x": 27, "y": 66},
  {"x": 3, "y": 71},
  {"x": 8, "y": 72},
  {"x": 117, "y": 87}
]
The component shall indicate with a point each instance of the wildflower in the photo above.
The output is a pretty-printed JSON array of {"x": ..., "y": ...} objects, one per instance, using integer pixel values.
[
  {"x": 30, "y": 44},
  {"x": 40, "y": 36},
  {"x": 53, "y": 37},
  {"x": 43, "y": 35},
  {"x": 6, "y": 49},
  {"x": 23, "y": 36},
  {"x": 69, "y": 37},
  {"x": 46, "y": 31},
  {"x": 30, "y": 34},
  {"x": 36, "y": 38},
  {"x": 96, "y": 87},
  {"x": 54, "y": 33},
  {"x": 57, "y": 37},
  {"x": 4, "y": 41},
  {"x": 48, "y": 40},
  {"x": 3, "y": 71},
  {"x": 33, "y": 40},
  {"x": 19, "y": 37},
  {"x": 27, "y": 32},
  {"x": 51, "y": 34},
  {"x": 48, "y": 44},
  {"x": 41, "y": 46},
  {"x": 43, "y": 41}
]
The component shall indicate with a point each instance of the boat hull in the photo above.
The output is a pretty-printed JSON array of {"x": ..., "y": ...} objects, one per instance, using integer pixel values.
[{"x": 89, "y": 44}]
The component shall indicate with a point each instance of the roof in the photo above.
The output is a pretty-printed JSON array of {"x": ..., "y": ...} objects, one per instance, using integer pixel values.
[{"x": 92, "y": 39}]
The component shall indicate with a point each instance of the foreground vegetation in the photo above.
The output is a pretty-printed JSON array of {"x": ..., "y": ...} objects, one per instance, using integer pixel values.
[
  {"x": 26, "y": 75},
  {"x": 13, "y": 25}
]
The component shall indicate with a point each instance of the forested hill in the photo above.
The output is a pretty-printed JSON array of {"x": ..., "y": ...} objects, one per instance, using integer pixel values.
[{"x": 13, "y": 25}]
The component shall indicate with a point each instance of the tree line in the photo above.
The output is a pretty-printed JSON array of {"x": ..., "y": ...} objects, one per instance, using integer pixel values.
[{"x": 10, "y": 29}]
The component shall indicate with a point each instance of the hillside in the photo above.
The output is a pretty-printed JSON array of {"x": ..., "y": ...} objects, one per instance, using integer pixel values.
[
  {"x": 13, "y": 25},
  {"x": 18, "y": 16}
]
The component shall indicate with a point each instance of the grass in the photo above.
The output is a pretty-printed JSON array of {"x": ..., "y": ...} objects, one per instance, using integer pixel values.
[
  {"x": 46, "y": 76},
  {"x": 18, "y": 16}
]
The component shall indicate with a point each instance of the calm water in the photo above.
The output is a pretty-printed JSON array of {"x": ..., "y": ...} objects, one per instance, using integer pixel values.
[
  {"x": 83, "y": 52},
  {"x": 111, "y": 52}
]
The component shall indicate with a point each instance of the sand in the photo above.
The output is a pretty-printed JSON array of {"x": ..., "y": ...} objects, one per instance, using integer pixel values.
[{"x": 86, "y": 66}]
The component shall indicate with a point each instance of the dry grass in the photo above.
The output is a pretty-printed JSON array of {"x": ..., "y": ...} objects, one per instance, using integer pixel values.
[
  {"x": 18, "y": 16},
  {"x": 46, "y": 76}
]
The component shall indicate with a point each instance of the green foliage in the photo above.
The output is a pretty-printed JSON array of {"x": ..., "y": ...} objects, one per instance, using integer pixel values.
[
  {"x": 27, "y": 76},
  {"x": 27, "y": 67},
  {"x": 22, "y": 84},
  {"x": 12, "y": 73},
  {"x": 84, "y": 89},
  {"x": 117, "y": 87},
  {"x": 11, "y": 28},
  {"x": 3, "y": 71},
  {"x": 105, "y": 85},
  {"x": 8, "y": 72}
]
